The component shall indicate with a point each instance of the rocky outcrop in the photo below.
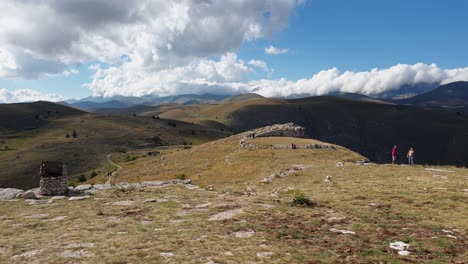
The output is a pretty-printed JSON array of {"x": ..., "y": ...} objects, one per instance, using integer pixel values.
[{"x": 278, "y": 130}]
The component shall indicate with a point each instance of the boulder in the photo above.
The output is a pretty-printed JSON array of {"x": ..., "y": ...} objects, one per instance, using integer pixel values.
[
  {"x": 83, "y": 187},
  {"x": 10, "y": 193},
  {"x": 30, "y": 194}
]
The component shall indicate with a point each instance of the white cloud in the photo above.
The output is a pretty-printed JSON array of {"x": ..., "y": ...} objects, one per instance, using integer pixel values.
[
  {"x": 373, "y": 82},
  {"x": 262, "y": 65},
  {"x": 26, "y": 95},
  {"x": 44, "y": 37},
  {"x": 272, "y": 50}
]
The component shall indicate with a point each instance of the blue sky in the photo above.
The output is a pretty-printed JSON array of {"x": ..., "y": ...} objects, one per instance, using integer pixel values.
[{"x": 320, "y": 35}]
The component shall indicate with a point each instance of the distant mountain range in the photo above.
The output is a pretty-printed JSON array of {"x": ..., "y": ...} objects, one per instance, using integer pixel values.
[
  {"x": 118, "y": 102},
  {"x": 449, "y": 95}
]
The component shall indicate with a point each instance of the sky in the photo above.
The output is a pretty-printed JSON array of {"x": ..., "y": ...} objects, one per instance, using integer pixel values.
[{"x": 60, "y": 49}]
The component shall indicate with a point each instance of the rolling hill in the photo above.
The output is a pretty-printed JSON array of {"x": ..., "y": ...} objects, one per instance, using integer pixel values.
[
  {"x": 449, "y": 95},
  {"x": 28, "y": 116},
  {"x": 96, "y": 136}
]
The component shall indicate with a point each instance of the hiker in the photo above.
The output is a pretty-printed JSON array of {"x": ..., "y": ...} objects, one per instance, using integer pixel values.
[
  {"x": 394, "y": 154},
  {"x": 410, "y": 156}
]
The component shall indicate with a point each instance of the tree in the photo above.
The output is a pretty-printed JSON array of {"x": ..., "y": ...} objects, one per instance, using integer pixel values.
[
  {"x": 67, "y": 135},
  {"x": 74, "y": 134},
  {"x": 93, "y": 174},
  {"x": 6, "y": 147}
]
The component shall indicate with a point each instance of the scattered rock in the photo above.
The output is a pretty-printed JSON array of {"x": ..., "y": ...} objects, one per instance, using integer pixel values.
[
  {"x": 268, "y": 179},
  {"x": 328, "y": 179},
  {"x": 30, "y": 194},
  {"x": 205, "y": 205},
  {"x": 100, "y": 187},
  {"x": 83, "y": 187},
  {"x": 3, "y": 250},
  {"x": 225, "y": 215},
  {"x": 152, "y": 183},
  {"x": 145, "y": 222},
  {"x": 59, "y": 218},
  {"x": 40, "y": 202},
  {"x": 10, "y": 193},
  {"x": 398, "y": 245},
  {"x": 76, "y": 254},
  {"x": 452, "y": 236},
  {"x": 114, "y": 219},
  {"x": 334, "y": 230},
  {"x": 78, "y": 198},
  {"x": 243, "y": 234},
  {"x": 27, "y": 254},
  {"x": 58, "y": 197},
  {"x": 166, "y": 254},
  {"x": 150, "y": 201},
  {"x": 336, "y": 219},
  {"x": 437, "y": 170},
  {"x": 37, "y": 216},
  {"x": 123, "y": 185},
  {"x": 403, "y": 252},
  {"x": 191, "y": 186},
  {"x": 80, "y": 245},
  {"x": 264, "y": 254},
  {"x": 339, "y": 164},
  {"x": 123, "y": 203},
  {"x": 228, "y": 253}
]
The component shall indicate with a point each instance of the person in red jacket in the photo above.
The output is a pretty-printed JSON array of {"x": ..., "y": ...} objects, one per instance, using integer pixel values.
[{"x": 394, "y": 154}]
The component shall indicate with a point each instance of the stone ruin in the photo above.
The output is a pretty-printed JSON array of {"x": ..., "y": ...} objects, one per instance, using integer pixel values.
[
  {"x": 53, "y": 178},
  {"x": 278, "y": 130}
]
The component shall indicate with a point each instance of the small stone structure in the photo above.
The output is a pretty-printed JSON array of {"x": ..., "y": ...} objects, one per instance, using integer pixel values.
[{"x": 54, "y": 179}]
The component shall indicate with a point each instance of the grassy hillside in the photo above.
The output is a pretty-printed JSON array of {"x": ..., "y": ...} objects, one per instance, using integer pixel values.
[
  {"x": 372, "y": 129},
  {"x": 224, "y": 161},
  {"x": 28, "y": 116},
  {"x": 96, "y": 136},
  {"x": 233, "y": 218}
]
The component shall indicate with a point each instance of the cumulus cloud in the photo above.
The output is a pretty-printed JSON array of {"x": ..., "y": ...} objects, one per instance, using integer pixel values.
[
  {"x": 373, "y": 82},
  {"x": 272, "y": 50},
  {"x": 43, "y": 37},
  {"x": 26, "y": 95}
]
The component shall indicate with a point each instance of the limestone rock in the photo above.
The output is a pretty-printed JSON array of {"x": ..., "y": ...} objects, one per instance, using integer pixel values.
[
  {"x": 83, "y": 187},
  {"x": 105, "y": 186},
  {"x": 225, "y": 215},
  {"x": 30, "y": 194},
  {"x": 78, "y": 198},
  {"x": 10, "y": 193}
]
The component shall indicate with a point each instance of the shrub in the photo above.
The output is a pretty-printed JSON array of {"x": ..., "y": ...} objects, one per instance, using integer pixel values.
[
  {"x": 187, "y": 147},
  {"x": 131, "y": 158},
  {"x": 300, "y": 199},
  {"x": 82, "y": 178},
  {"x": 72, "y": 183},
  {"x": 67, "y": 135},
  {"x": 181, "y": 176},
  {"x": 74, "y": 134},
  {"x": 6, "y": 147},
  {"x": 93, "y": 174}
]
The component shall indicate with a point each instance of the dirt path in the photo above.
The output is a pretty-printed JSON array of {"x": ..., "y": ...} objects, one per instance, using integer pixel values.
[{"x": 108, "y": 157}]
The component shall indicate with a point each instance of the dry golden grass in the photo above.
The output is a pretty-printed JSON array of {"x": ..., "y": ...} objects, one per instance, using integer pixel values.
[
  {"x": 224, "y": 161},
  {"x": 380, "y": 203}
]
